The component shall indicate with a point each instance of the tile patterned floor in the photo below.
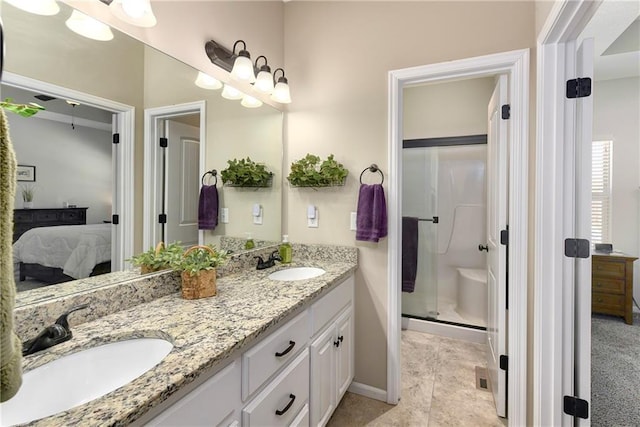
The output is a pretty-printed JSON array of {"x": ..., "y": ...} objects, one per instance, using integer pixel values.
[{"x": 438, "y": 389}]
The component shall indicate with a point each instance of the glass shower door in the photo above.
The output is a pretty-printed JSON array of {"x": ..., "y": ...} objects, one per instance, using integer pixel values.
[{"x": 419, "y": 200}]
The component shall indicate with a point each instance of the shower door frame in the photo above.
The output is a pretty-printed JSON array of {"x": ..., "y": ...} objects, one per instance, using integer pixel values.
[{"x": 515, "y": 64}]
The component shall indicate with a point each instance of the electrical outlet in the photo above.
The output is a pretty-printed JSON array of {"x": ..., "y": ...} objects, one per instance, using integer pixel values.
[
  {"x": 313, "y": 222},
  {"x": 224, "y": 215},
  {"x": 354, "y": 221}
]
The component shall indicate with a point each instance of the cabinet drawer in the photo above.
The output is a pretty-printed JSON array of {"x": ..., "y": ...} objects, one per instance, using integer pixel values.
[
  {"x": 283, "y": 399},
  {"x": 613, "y": 269},
  {"x": 331, "y": 305},
  {"x": 607, "y": 301},
  {"x": 22, "y": 216},
  {"x": 214, "y": 403},
  {"x": 73, "y": 217},
  {"x": 265, "y": 359},
  {"x": 47, "y": 216},
  {"x": 610, "y": 286},
  {"x": 302, "y": 419}
]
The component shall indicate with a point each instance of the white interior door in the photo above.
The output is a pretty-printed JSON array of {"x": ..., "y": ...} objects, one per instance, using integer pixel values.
[
  {"x": 182, "y": 182},
  {"x": 584, "y": 142},
  {"x": 497, "y": 187}
]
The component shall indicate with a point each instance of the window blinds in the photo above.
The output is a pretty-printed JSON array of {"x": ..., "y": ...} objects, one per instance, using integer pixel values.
[{"x": 601, "y": 192}]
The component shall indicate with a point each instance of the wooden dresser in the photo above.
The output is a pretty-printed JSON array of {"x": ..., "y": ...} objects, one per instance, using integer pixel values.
[
  {"x": 26, "y": 219},
  {"x": 612, "y": 284}
]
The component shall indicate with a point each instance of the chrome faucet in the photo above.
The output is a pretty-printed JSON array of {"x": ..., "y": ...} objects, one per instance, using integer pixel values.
[
  {"x": 262, "y": 264},
  {"x": 51, "y": 335}
]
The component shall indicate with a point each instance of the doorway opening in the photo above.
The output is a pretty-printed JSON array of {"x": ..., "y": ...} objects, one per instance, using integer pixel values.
[{"x": 515, "y": 66}]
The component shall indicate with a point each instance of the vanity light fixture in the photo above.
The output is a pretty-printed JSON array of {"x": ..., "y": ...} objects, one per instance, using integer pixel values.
[
  {"x": 88, "y": 27},
  {"x": 242, "y": 66},
  {"x": 134, "y": 12},
  {"x": 230, "y": 92},
  {"x": 38, "y": 7},
  {"x": 264, "y": 81},
  {"x": 281, "y": 91},
  {"x": 205, "y": 81},
  {"x": 250, "y": 102}
]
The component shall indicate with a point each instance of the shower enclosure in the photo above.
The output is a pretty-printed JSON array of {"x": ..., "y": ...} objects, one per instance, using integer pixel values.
[{"x": 444, "y": 187}]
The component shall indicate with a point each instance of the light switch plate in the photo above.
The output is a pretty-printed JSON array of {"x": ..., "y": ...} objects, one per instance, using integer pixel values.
[
  {"x": 313, "y": 222},
  {"x": 258, "y": 219},
  {"x": 354, "y": 221},
  {"x": 224, "y": 215}
]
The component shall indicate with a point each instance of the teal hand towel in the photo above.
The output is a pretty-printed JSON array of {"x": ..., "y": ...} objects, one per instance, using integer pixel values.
[{"x": 10, "y": 345}]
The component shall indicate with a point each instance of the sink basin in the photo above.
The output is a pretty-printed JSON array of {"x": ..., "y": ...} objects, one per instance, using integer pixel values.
[
  {"x": 80, "y": 377},
  {"x": 297, "y": 273}
]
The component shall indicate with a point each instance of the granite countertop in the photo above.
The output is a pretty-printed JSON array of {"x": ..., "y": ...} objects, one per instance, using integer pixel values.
[{"x": 204, "y": 332}]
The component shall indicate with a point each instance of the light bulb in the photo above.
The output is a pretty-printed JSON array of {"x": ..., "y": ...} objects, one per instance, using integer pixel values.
[
  {"x": 205, "y": 81},
  {"x": 135, "y": 8},
  {"x": 39, "y": 7},
  {"x": 88, "y": 27},
  {"x": 134, "y": 12},
  {"x": 243, "y": 69},
  {"x": 230, "y": 92},
  {"x": 264, "y": 82},
  {"x": 250, "y": 102},
  {"x": 281, "y": 93}
]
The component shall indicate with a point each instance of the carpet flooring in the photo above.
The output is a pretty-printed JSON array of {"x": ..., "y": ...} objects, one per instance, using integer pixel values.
[{"x": 615, "y": 371}]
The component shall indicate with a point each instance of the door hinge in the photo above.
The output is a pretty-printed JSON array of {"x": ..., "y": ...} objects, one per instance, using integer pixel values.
[
  {"x": 579, "y": 88},
  {"x": 164, "y": 142},
  {"x": 576, "y": 407},
  {"x": 115, "y": 219},
  {"x": 116, "y": 138},
  {"x": 504, "y": 237},
  {"x": 504, "y": 362},
  {"x": 506, "y": 111},
  {"x": 576, "y": 248},
  {"x": 162, "y": 218}
]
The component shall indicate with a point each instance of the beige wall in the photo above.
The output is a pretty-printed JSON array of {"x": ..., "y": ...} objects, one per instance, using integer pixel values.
[
  {"x": 542, "y": 10},
  {"x": 338, "y": 55}
]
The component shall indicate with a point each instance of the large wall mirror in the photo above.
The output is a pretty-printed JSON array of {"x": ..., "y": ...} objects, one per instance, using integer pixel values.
[{"x": 67, "y": 156}]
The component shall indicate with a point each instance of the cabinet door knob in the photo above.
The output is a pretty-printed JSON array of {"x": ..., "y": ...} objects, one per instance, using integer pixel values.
[
  {"x": 286, "y": 408},
  {"x": 286, "y": 350}
]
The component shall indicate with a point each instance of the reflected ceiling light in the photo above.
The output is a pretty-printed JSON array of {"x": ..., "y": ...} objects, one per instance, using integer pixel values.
[
  {"x": 39, "y": 7},
  {"x": 264, "y": 81},
  {"x": 134, "y": 12},
  {"x": 88, "y": 27},
  {"x": 250, "y": 102},
  {"x": 205, "y": 81},
  {"x": 281, "y": 92},
  {"x": 242, "y": 66},
  {"x": 230, "y": 92}
]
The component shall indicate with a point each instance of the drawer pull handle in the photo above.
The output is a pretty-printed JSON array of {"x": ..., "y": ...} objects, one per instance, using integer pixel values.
[
  {"x": 341, "y": 338},
  {"x": 286, "y": 350},
  {"x": 286, "y": 408}
]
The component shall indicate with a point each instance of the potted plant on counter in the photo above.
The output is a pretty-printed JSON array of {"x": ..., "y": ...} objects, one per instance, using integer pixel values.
[
  {"x": 198, "y": 269},
  {"x": 246, "y": 173},
  {"x": 310, "y": 171},
  {"x": 159, "y": 258},
  {"x": 28, "y": 192}
]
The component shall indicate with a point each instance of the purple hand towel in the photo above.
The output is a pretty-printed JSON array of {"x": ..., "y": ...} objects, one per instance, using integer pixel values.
[
  {"x": 409, "y": 253},
  {"x": 208, "y": 208},
  {"x": 371, "y": 217}
]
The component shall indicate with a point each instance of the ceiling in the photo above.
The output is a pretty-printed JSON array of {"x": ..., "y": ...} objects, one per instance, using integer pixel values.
[{"x": 615, "y": 29}]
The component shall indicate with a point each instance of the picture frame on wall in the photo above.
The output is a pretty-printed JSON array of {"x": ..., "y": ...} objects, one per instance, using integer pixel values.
[{"x": 26, "y": 173}]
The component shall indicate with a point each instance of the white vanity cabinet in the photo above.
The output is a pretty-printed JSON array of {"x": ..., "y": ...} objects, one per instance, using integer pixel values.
[{"x": 282, "y": 380}]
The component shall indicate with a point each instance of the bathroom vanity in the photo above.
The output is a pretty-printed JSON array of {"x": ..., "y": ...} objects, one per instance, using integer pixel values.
[{"x": 260, "y": 352}]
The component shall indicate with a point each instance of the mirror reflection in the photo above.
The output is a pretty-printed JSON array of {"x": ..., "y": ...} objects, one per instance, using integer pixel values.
[{"x": 73, "y": 170}]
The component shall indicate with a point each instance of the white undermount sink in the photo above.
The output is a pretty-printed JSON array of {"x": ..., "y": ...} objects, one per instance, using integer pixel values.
[
  {"x": 297, "y": 273},
  {"x": 80, "y": 377}
]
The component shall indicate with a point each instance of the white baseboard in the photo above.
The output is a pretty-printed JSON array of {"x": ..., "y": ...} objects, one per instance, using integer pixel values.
[
  {"x": 445, "y": 330},
  {"x": 368, "y": 391}
]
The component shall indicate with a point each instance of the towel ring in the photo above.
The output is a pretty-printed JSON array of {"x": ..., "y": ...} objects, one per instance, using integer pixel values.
[
  {"x": 213, "y": 173},
  {"x": 373, "y": 169}
]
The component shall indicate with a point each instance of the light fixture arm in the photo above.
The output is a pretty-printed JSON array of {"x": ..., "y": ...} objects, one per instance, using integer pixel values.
[
  {"x": 264, "y": 67},
  {"x": 243, "y": 51},
  {"x": 282, "y": 79}
]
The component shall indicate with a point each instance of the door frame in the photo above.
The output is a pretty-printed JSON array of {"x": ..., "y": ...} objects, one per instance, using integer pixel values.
[
  {"x": 123, "y": 200},
  {"x": 554, "y": 299},
  {"x": 152, "y": 118},
  {"x": 516, "y": 65}
]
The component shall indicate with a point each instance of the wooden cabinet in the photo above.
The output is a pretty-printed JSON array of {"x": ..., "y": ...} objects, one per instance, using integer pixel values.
[
  {"x": 26, "y": 219},
  {"x": 612, "y": 285}
]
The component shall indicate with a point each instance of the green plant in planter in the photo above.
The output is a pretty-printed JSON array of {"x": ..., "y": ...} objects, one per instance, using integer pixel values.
[
  {"x": 159, "y": 258},
  {"x": 246, "y": 173},
  {"x": 24, "y": 110},
  {"x": 200, "y": 258},
  {"x": 310, "y": 171},
  {"x": 28, "y": 192}
]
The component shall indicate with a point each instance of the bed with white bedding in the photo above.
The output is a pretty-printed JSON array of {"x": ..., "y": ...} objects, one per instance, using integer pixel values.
[{"x": 63, "y": 252}]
